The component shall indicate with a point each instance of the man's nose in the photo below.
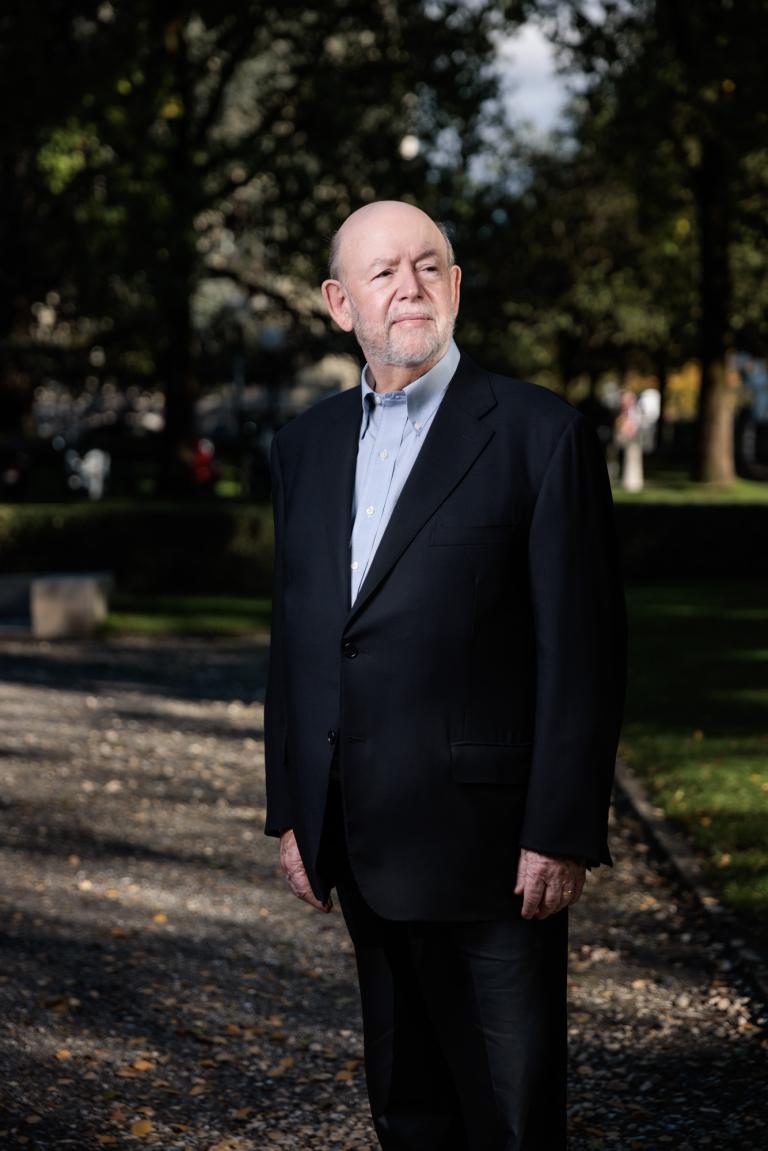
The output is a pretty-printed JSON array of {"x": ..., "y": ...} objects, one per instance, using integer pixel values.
[{"x": 408, "y": 284}]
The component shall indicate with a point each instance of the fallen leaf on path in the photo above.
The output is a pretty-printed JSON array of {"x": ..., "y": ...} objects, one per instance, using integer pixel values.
[
  {"x": 141, "y": 1128},
  {"x": 282, "y": 1066}
]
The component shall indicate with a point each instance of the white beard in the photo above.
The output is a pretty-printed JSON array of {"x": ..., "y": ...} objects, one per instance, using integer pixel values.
[{"x": 385, "y": 345}]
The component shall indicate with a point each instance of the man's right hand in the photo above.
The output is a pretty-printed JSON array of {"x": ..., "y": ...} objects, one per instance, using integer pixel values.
[{"x": 293, "y": 870}]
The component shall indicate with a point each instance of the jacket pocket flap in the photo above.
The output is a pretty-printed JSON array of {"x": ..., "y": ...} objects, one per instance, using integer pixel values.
[{"x": 491, "y": 762}]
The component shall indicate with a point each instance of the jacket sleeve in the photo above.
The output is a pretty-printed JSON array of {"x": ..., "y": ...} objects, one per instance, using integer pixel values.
[
  {"x": 278, "y": 815},
  {"x": 580, "y": 636}
]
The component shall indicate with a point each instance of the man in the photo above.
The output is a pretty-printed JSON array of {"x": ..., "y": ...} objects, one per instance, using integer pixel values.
[{"x": 444, "y": 698}]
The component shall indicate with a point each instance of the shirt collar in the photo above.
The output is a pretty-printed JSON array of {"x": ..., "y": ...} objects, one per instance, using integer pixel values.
[{"x": 423, "y": 395}]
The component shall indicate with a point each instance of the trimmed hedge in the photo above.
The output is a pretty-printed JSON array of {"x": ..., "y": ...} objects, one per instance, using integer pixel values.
[
  {"x": 693, "y": 541},
  {"x": 222, "y": 547},
  {"x": 163, "y": 548}
]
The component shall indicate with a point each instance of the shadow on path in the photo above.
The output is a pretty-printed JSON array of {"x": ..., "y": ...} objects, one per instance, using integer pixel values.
[{"x": 159, "y": 987}]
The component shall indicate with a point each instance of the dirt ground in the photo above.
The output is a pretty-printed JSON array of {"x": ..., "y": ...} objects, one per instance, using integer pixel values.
[{"x": 160, "y": 987}]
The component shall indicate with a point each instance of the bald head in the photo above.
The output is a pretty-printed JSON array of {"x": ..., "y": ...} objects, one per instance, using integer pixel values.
[{"x": 381, "y": 216}]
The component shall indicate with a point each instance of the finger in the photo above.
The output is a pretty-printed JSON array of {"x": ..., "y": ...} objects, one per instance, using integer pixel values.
[
  {"x": 551, "y": 908},
  {"x": 312, "y": 899},
  {"x": 532, "y": 896},
  {"x": 520, "y": 877},
  {"x": 293, "y": 865},
  {"x": 297, "y": 878},
  {"x": 579, "y": 887},
  {"x": 295, "y": 883},
  {"x": 552, "y": 900},
  {"x": 302, "y": 889},
  {"x": 573, "y": 885}
]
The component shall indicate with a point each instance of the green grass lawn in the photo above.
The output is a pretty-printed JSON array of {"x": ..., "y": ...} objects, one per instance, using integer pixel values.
[
  {"x": 696, "y": 726},
  {"x": 187, "y": 615},
  {"x": 667, "y": 483}
]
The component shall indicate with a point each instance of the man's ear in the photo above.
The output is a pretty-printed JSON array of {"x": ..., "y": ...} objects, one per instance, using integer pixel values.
[
  {"x": 455, "y": 278},
  {"x": 337, "y": 303}
]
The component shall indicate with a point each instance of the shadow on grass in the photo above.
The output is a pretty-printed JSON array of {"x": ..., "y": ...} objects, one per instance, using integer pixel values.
[{"x": 693, "y": 657}]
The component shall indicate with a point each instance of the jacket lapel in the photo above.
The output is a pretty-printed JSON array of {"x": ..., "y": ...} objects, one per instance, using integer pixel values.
[
  {"x": 454, "y": 441},
  {"x": 340, "y": 456}
]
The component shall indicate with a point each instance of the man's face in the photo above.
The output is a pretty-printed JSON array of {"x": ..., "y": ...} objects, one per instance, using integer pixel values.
[{"x": 396, "y": 290}]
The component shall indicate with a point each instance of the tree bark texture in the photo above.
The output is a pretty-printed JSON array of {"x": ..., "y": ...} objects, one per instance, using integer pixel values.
[{"x": 715, "y": 462}]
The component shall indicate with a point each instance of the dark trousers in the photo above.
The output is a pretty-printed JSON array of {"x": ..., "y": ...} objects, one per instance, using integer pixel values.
[{"x": 464, "y": 1024}]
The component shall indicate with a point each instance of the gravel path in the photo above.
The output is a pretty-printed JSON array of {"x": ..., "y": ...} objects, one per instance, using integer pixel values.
[{"x": 159, "y": 987}]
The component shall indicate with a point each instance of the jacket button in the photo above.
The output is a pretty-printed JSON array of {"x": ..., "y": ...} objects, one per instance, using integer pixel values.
[
  {"x": 331, "y": 737},
  {"x": 349, "y": 650}
]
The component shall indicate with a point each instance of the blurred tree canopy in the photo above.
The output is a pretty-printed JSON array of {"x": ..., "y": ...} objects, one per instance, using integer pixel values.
[
  {"x": 676, "y": 94},
  {"x": 168, "y": 168},
  {"x": 174, "y": 158}
]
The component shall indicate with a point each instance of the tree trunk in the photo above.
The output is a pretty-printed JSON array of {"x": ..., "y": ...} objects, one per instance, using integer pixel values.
[
  {"x": 715, "y": 455},
  {"x": 716, "y": 461},
  {"x": 176, "y": 279}
]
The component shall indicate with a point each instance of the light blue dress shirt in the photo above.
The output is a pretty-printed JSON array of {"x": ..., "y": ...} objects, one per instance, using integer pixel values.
[{"x": 393, "y": 428}]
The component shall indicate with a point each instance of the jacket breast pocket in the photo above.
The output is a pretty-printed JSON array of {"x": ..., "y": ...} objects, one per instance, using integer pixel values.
[
  {"x": 445, "y": 533},
  {"x": 506, "y": 763}
]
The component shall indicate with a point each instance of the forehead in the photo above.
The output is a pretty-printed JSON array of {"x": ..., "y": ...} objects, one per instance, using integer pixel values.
[{"x": 390, "y": 239}]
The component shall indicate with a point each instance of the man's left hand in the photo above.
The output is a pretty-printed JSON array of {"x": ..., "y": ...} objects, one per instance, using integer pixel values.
[{"x": 548, "y": 883}]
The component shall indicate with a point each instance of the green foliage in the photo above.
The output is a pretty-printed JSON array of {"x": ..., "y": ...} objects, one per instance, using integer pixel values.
[
  {"x": 586, "y": 289},
  {"x": 157, "y": 548},
  {"x": 675, "y": 94},
  {"x": 204, "y": 155},
  {"x": 188, "y": 615},
  {"x": 172, "y": 177}
]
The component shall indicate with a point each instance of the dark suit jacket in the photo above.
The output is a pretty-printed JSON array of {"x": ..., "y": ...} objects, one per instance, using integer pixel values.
[{"x": 474, "y": 691}]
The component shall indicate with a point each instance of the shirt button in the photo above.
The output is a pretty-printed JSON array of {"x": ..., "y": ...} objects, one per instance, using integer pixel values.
[
  {"x": 354, "y": 565},
  {"x": 370, "y": 510},
  {"x": 418, "y": 426},
  {"x": 383, "y": 454}
]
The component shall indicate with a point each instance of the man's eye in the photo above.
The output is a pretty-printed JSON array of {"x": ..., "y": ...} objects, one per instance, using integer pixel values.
[{"x": 386, "y": 272}]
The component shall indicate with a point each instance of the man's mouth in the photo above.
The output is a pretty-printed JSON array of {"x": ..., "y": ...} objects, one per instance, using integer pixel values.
[{"x": 415, "y": 319}]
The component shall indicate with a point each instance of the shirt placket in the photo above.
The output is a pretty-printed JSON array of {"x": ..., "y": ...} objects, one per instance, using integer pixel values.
[{"x": 388, "y": 429}]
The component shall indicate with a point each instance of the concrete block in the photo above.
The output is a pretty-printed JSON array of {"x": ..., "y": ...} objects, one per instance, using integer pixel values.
[{"x": 68, "y": 606}]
